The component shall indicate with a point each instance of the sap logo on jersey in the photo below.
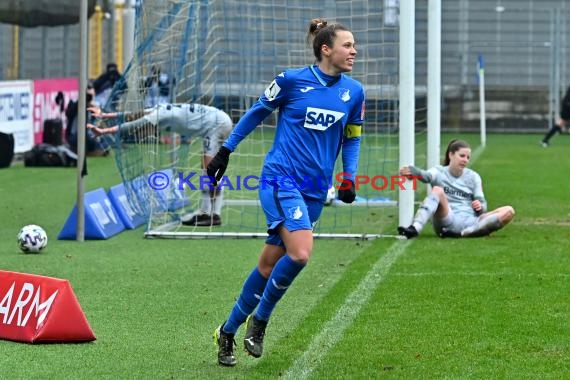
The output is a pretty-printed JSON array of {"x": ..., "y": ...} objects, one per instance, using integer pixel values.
[{"x": 321, "y": 119}]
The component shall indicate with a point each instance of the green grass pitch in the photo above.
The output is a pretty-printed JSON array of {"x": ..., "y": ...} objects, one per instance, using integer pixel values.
[{"x": 488, "y": 308}]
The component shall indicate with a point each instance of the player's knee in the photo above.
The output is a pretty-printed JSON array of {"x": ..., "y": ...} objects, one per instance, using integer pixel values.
[
  {"x": 438, "y": 190},
  {"x": 301, "y": 255},
  {"x": 508, "y": 214}
]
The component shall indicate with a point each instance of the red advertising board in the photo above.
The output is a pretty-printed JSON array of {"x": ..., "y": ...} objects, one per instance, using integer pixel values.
[
  {"x": 39, "y": 309},
  {"x": 44, "y": 105}
]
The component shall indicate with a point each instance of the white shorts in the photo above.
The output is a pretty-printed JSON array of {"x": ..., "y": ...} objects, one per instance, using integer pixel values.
[
  {"x": 454, "y": 222},
  {"x": 213, "y": 139}
]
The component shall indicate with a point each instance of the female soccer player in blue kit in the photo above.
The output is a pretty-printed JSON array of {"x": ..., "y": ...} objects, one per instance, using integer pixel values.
[{"x": 321, "y": 111}]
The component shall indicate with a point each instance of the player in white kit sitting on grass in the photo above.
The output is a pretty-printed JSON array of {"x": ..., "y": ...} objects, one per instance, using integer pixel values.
[
  {"x": 191, "y": 120},
  {"x": 456, "y": 204}
]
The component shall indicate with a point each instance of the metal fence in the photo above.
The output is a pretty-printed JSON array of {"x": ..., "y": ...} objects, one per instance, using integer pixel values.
[{"x": 523, "y": 42}]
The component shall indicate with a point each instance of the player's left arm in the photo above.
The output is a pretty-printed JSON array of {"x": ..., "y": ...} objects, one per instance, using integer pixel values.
[
  {"x": 479, "y": 203},
  {"x": 351, "y": 150},
  {"x": 351, "y": 139},
  {"x": 353, "y": 135},
  {"x": 137, "y": 125}
]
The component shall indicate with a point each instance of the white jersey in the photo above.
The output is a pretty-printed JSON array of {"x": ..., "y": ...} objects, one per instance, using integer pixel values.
[
  {"x": 460, "y": 191},
  {"x": 187, "y": 119}
]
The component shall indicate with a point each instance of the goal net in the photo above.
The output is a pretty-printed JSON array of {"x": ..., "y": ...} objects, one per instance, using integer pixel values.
[{"x": 224, "y": 54}]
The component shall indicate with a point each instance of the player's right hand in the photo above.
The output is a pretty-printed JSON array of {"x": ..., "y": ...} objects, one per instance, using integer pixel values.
[
  {"x": 405, "y": 170},
  {"x": 217, "y": 167}
]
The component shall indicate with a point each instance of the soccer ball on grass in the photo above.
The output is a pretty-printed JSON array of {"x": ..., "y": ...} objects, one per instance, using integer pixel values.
[{"x": 32, "y": 239}]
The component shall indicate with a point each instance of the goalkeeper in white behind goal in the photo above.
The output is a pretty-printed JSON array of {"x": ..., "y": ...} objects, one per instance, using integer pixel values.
[{"x": 191, "y": 120}]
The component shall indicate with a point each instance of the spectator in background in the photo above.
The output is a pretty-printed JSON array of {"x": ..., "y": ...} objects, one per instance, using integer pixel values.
[
  {"x": 60, "y": 101},
  {"x": 104, "y": 84},
  {"x": 94, "y": 146},
  {"x": 157, "y": 88},
  {"x": 560, "y": 122}
]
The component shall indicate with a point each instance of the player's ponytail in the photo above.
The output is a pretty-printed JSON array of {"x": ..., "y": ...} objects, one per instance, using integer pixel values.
[{"x": 315, "y": 25}]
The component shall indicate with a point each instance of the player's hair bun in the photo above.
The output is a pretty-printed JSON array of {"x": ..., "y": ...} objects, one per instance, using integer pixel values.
[{"x": 316, "y": 25}]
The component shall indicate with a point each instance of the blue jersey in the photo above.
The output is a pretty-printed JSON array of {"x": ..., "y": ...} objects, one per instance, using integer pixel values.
[{"x": 318, "y": 114}]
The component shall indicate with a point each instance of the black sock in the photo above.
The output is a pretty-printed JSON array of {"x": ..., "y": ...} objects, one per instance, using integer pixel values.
[{"x": 551, "y": 133}]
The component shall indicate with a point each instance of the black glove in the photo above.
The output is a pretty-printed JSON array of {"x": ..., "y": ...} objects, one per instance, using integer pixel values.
[
  {"x": 347, "y": 195},
  {"x": 217, "y": 167}
]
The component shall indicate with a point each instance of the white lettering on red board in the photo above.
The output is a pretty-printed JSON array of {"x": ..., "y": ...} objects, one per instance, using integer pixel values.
[{"x": 26, "y": 303}]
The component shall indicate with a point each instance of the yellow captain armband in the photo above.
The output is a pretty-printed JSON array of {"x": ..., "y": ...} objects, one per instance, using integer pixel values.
[{"x": 353, "y": 130}]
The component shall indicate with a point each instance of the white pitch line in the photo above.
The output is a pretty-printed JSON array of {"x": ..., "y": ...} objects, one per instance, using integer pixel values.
[
  {"x": 334, "y": 329},
  {"x": 476, "y": 153}
]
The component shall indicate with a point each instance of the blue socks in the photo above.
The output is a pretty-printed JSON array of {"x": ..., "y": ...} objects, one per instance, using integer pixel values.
[
  {"x": 281, "y": 277},
  {"x": 257, "y": 290},
  {"x": 249, "y": 298}
]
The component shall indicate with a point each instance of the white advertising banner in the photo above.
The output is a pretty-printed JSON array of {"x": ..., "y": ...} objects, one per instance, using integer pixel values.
[{"x": 15, "y": 113}]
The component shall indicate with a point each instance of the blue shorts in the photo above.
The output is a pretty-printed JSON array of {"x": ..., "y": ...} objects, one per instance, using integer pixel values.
[{"x": 287, "y": 207}]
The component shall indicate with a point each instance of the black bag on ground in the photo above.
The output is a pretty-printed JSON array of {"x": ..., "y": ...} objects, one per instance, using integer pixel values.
[
  {"x": 6, "y": 149},
  {"x": 50, "y": 155},
  {"x": 53, "y": 132}
]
